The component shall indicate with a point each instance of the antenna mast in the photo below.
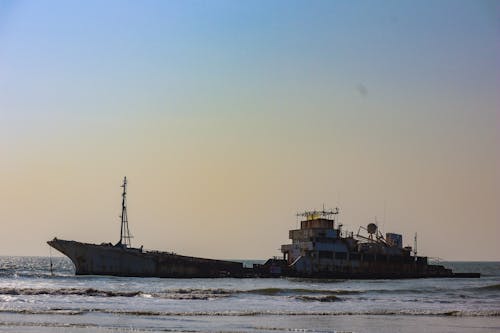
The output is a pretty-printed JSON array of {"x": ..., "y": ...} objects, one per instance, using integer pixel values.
[
  {"x": 415, "y": 245},
  {"x": 124, "y": 231},
  {"x": 314, "y": 214}
]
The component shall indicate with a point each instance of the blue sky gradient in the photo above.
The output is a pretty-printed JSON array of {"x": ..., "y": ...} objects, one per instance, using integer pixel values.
[{"x": 250, "y": 109}]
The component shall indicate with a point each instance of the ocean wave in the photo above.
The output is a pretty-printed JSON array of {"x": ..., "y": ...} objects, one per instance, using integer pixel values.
[
  {"x": 180, "y": 294},
  {"x": 329, "y": 298},
  {"x": 250, "y": 313},
  {"x": 493, "y": 287},
  {"x": 293, "y": 291},
  {"x": 191, "y": 294},
  {"x": 300, "y": 294},
  {"x": 213, "y": 291},
  {"x": 260, "y": 291},
  {"x": 408, "y": 291},
  {"x": 68, "y": 291}
]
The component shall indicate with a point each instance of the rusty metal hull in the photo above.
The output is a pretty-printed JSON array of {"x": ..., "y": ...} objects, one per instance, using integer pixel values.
[
  {"x": 106, "y": 259},
  {"x": 279, "y": 267}
]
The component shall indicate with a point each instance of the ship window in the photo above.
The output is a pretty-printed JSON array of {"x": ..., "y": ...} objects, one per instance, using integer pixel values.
[
  {"x": 326, "y": 254},
  {"x": 422, "y": 260}
]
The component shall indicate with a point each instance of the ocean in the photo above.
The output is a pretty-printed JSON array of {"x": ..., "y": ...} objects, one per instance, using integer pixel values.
[{"x": 32, "y": 299}]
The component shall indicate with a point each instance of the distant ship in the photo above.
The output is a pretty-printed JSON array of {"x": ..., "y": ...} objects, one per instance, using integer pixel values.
[{"x": 319, "y": 249}]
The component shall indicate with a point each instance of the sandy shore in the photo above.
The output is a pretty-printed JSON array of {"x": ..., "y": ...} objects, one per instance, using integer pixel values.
[{"x": 344, "y": 324}]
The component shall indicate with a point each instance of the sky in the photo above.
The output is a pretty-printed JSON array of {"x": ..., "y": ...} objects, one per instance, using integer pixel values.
[{"x": 229, "y": 117}]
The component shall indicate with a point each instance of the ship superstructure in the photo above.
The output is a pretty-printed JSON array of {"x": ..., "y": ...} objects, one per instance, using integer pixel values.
[{"x": 320, "y": 248}]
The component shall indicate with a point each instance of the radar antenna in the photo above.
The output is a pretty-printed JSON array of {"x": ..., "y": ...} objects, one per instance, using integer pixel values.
[
  {"x": 124, "y": 231},
  {"x": 315, "y": 214}
]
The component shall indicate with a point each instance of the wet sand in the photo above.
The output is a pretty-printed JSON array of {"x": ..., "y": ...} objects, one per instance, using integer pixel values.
[{"x": 339, "y": 324}]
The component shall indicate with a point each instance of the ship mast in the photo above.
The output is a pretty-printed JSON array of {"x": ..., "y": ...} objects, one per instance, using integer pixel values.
[{"x": 124, "y": 231}]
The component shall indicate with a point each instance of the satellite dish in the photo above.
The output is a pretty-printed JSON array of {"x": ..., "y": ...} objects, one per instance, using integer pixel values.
[{"x": 371, "y": 228}]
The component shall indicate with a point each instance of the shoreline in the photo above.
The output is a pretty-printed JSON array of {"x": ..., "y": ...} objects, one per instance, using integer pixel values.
[{"x": 343, "y": 323}]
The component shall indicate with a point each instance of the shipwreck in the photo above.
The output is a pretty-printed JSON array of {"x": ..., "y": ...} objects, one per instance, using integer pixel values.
[{"x": 319, "y": 249}]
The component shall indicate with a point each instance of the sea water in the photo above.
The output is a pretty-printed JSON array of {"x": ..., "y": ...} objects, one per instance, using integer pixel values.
[{"x": 34, "y": 299}]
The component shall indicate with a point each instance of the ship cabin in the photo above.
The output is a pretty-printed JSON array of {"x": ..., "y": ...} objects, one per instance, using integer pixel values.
[
  {"x": 317, "y": 243},
  {"x": 320, "y": 245}
]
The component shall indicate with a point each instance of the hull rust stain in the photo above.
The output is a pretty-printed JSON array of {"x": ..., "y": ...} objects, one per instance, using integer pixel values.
[{"x": 107, "y": 259}]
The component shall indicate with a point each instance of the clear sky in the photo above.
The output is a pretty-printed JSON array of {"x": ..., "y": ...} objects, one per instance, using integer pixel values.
[{"x": 228, "y": 117}]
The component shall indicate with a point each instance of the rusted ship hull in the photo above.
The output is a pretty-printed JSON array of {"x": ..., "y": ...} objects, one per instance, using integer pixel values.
[
  {"x": 106, "y": 259},
  {"x": 380, "y": 270}
]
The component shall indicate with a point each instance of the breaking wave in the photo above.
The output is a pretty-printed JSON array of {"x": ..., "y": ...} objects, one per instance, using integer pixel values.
[
  {"x": 301, "y": 294},
  {"x": 403, "y": 312},
  {"x": 493, "y": 287},
  {"x": 186, "y": 293},
  {"x": 67, "y": 291},
  {"x": 329, "y": 298},
  {"x": 179, "y": 294},
  {"x": 407, "y": 291},
  {"x": 294, "y": 291}
]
